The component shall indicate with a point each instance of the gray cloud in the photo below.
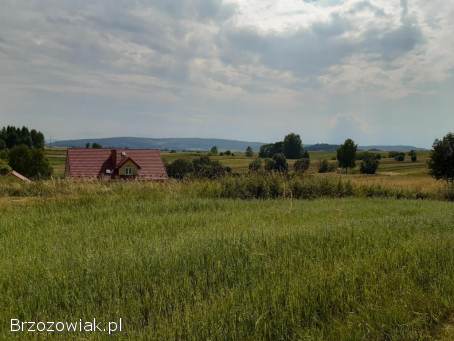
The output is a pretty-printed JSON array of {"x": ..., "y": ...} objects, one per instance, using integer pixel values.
[{"x": 194, "y": 61}]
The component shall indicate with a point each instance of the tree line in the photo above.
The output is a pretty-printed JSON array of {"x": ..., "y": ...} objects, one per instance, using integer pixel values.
[{"x": 22, "y": 150}]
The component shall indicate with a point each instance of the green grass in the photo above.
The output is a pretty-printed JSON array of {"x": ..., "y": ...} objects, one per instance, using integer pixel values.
[{"x": 175, "y": 265}]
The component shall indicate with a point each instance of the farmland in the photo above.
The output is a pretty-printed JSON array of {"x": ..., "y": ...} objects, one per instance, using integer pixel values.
[
  {"x": 325, "y": 257},
  {"x": 175, "y": 264},
  {"x": 391, "y": 173}
]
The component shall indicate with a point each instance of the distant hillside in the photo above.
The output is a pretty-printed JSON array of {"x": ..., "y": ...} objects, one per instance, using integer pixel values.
[
  {"x": 202, "y": 144},
  {"x": 163, "y": 144},
  {"x": 324, "y": 147}
]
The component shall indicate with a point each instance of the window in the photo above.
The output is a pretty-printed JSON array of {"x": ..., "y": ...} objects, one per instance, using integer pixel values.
[{"x": 128, "y": 171}]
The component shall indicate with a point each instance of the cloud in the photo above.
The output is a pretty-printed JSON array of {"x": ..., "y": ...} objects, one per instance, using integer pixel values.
[{"x": 220, "y": 60}]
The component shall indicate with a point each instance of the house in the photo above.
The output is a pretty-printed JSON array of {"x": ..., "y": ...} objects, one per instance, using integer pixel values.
[{"x": 137, "y": 164}]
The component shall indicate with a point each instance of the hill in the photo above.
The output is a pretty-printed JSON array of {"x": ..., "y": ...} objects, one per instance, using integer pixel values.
[
  {"x": 179, "y": 144},
  {"x": 194, "y": 144}
]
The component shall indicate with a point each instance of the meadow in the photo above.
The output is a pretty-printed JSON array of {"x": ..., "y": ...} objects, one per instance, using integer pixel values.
[
  {"x": 176, "y": 264},
  {"x": 315, "y": 257}
]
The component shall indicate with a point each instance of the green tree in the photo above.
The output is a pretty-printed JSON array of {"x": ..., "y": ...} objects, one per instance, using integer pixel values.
[
  {"x": 204, "y": 167},
  {"x": 214, "y": 150},
  {"x": 29, "y": 162},
  {"x": 180, "y": 169},
  {"x": 87, "y": 145},
  {"x": 268, "y": 150},
  {"x": 2, "y": 144},
  {"x": 249, "y": 152},
  {"x": 301, "y": 165},
  {"x": 346, "y": 155},
  {"x": 413, "y": 156},
  {"x": 96, "y": 145},
  {"x": 293, "y": 146},
  {"x": 255, "y": 165},
  {"x": 441, "y": 162},
  {"x": 37, "y": 139}
]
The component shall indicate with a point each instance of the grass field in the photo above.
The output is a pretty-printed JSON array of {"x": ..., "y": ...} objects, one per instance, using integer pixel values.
[{"x": 175, "y": 265}]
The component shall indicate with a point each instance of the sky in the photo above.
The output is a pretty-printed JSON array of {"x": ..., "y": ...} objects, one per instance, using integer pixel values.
[{"x": 378, "y": 71}]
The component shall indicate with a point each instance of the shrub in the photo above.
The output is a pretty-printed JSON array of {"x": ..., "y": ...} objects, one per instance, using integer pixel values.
[
  {"x": 399, "y": 157},
  {"x": 369, "y": 165},
  {"x": 301, "y": 165},
  {"x": 204, "y": 167},
  {"x": 280, "y": 163},
  {"x": 4, "y": 167},
  {"x": 326, "y": 167},
  {"x": 256, "y": 165},
  {"x": 269, "y": 165},
  {"x": 180, "y": 169}
]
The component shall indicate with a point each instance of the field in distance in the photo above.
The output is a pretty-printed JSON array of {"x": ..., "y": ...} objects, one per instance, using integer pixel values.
[{"x": 390, "y": 173}]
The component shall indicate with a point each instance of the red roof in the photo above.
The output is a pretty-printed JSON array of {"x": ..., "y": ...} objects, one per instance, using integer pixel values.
[{"x": 93, "y": 163}]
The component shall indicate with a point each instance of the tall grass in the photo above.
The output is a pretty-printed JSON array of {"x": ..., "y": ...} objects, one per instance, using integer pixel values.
[
  {"x": 251, "y": 186},
  {"x": 176, "y": 265}
]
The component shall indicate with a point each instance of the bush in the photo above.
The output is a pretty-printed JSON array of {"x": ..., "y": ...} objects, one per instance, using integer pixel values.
[
  {"x": 4, "y": 167},
  {"x": 269, "y": 165},
  {"x": 301, "y": 165},
  {"x": 326, "y": 167},
  {"x": 256, "y": 165},
  {"x": 399, "y": 157},
  {"x": 369, "y": 165},
  {"x": 280, "y": 163},
  {"x": 204, "y": 167},
  {"x": 180, "y": 169}
]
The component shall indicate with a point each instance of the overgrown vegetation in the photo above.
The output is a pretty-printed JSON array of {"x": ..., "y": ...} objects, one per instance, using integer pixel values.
[{"x": 175, "y": 261}]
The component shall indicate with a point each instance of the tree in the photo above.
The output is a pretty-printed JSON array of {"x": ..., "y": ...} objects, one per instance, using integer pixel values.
[
  {"x": 293, "y": 146},
  {"x": 204, "y": 167},
  {"x": 346, "y": 155},
  {"x": 301, "y": 165},
  {"x": 87, "y": 145},
  {"x": 214, "y": 150},
  {"x": 255, "y": 165},
  {"x": 441, "y": 162},
  {"x": 413, "y": 156},
  {"x": 249, "y": 152},
  {"x": 96, "y": 145},
  {"x": 369, "y": 165},
  {"x": 2, "y": 144},
  {"x": 37, "y": 139},
  {"x": 29, "y": 162},
  {"x": 268, "y": 150},
  {"x": 180, "y": 168}
]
